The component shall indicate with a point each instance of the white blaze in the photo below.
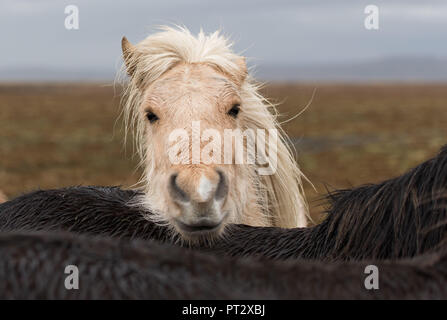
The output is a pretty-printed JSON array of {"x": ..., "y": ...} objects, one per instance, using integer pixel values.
[{"x": 205, "y": 189}]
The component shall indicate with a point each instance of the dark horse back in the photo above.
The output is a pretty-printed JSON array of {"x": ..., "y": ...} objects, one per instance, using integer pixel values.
[{"x": 401, "y": 217}]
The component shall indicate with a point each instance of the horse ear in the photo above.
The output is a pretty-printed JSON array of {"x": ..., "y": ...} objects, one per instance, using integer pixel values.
[
  {"x": 129, "y": 52},
  {"x": 242, "y": 66}
]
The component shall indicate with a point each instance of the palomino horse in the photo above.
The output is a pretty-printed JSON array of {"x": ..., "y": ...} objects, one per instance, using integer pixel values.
[{"x": 184, "y": 94}]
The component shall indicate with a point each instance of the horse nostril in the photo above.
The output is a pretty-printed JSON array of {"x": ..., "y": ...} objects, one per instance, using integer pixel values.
[
  {"x": 222, "y": 188},
  {"x": 175, "y": 191}
]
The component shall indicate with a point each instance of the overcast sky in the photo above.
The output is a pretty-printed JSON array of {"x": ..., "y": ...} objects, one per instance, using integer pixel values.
[{"x": 270, "y": 32}]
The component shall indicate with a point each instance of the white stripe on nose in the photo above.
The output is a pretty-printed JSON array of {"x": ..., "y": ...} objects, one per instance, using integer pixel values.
[{"x": 205, "y": 189}]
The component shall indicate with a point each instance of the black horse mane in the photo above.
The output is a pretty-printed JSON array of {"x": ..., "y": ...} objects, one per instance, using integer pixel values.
[
  {"x": 32, "y": 265},
  {"x": 401, "y": 217}
]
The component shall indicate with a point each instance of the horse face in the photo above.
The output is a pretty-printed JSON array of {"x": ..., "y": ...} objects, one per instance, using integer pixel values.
[{"x": 187, "y": 113}]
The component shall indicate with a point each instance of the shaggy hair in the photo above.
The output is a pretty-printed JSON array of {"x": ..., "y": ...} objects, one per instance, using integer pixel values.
[
  {"x": 32, "y": 265},
  {"x": 89, "y": 210},
  {"x": 280, "y": 195},
  {"x": 401, "y": 217}
]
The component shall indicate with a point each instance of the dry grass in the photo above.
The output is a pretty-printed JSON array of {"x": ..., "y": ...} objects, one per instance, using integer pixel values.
[{"x": 61, "y": 135}]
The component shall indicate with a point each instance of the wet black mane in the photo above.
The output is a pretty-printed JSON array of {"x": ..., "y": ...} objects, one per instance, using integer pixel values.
[
  {"x": 32, "y": 265},
  {"x": 398, "y": 225},
  {"x": 400, "y": 217}
]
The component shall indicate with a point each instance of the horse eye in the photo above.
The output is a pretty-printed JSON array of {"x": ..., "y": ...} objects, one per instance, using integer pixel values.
[
  {"x": 152, "y": 117},
  {"x": 234, "y": 111}
]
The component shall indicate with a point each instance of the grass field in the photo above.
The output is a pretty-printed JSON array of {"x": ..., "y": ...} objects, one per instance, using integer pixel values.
[{"x": 62, "y": 135}]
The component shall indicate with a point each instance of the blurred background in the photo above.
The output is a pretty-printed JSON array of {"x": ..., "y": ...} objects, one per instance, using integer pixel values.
[{"x": 379, "y": 107}]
